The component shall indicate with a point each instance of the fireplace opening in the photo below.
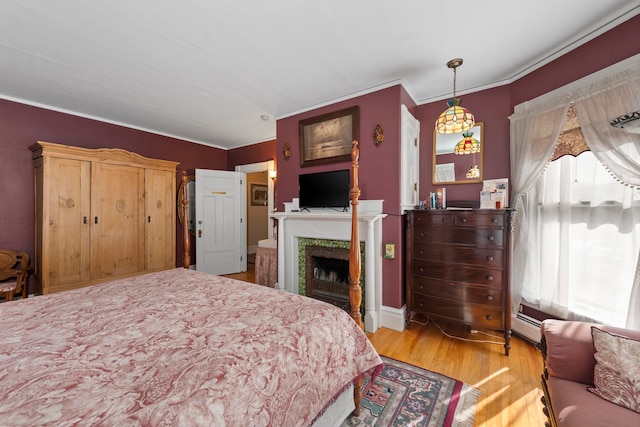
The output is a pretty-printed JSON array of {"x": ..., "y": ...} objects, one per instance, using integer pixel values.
[{"x": 327, "y": 275}]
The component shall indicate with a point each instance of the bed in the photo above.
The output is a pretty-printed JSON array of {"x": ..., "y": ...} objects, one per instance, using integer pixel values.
[{"x": 181, "y": 347}]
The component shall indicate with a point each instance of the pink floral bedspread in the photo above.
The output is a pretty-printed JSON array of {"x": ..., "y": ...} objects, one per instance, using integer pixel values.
[{"x": 176, "y": 348}]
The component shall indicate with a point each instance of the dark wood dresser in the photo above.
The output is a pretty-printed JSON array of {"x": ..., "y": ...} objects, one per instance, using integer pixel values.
[{"x": 458, "y": 267}]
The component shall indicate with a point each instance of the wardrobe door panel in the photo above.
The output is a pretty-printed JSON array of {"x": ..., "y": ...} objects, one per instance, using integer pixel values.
[
  {"x": 68, "y": 190},
  {"x": 160, "y": 219},
  {"x": 117, "y": 220}
]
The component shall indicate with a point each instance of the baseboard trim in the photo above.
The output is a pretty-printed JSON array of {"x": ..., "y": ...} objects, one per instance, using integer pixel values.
[{"x": 393, "y": 318}]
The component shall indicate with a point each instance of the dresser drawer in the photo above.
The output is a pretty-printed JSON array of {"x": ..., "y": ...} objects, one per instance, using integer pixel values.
[
  {"x": 459, "y": 218},
  {"x": 433, "y": 218},
  {"x": 471, "y": 219},
  {"x": 457, "y": 273},
  {"x": 459, "y": 293},
  {"x": 477, "y": 315},
  {"x": 490, "y": 257},
  {"x": 463, "y": 236}
]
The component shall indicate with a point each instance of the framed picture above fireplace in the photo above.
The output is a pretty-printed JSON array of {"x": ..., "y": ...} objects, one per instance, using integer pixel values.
[{"x": 327, "y": 138}]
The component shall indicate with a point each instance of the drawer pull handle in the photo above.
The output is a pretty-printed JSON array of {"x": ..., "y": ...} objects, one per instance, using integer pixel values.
[
  {"x": 464, "y": 219},
  {"x": 421, "y": 234},
  {"x": 444, "y": 219},
  {"x": 421, "y": 269},
  {"x": 494, "y": 220},
  {"x": 489, "y": 257},
  {"x": 490, "y": 238},
  {"x": 421, "y": 252},
  {"x": 489, "y": 277},
  {"x": 489, "y": 317},
  {"x": 489, "y": 297},
  {"x": 421, "y": 305},
  {"x": 421, "y": 287}
]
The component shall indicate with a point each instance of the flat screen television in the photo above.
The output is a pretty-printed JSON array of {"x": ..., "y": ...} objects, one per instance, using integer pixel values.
[{"x": 324, "y": 189}]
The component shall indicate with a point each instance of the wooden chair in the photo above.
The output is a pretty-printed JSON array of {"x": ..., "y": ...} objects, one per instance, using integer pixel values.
[{"x": 14, "y": 272}]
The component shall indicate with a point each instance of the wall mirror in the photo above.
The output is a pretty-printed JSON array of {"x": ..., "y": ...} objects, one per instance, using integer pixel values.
[
  {"x": 452, "y": 168},
  {"x": 191, "y": 196}
]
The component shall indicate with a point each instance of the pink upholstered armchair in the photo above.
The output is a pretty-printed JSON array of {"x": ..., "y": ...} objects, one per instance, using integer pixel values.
[{"x": 571, "y": 395}]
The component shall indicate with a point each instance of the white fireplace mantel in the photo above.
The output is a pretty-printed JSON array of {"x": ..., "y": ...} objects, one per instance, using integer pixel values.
[{"x": 332, "y": 225}]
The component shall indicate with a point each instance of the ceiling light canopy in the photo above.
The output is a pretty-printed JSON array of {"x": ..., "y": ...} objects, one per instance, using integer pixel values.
[{"x": 455, "y": 119}]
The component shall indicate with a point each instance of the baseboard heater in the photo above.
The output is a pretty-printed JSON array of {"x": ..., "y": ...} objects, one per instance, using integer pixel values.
[{"x": 526, "y": 326}]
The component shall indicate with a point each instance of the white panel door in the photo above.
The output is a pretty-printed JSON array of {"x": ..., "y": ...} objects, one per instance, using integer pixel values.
[
  {"x": 221, "y": 233},
  {"x": 410, "y": 158}
]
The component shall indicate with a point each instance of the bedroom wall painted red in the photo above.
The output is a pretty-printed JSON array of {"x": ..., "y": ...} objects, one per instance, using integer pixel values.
[
  {"x": 22, "y": 125},
  {"x": 255, "y": 153}
]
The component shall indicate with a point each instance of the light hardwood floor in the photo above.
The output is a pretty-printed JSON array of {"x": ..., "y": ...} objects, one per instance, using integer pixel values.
[{"x": 510, "y": 385}]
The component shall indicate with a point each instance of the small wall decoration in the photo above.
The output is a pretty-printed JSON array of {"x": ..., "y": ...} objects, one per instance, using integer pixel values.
[
  {"x": 258, "y": 194},
  {"x": 286, "y": 151},
  {"x": 378, "y": 135},
  {"x": 327, "y": 138}
]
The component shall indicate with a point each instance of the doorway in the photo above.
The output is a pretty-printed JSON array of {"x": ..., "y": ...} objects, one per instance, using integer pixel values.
[{"x": 257, "y": 173}]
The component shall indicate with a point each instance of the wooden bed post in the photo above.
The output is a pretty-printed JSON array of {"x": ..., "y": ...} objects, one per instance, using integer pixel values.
[
  {"x": 355, "y": 290},
  {"x": 186, "y": 239}
]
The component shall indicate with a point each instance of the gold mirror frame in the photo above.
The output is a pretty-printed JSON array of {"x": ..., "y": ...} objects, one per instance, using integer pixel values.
[
  {"x": 443, "y": 146},
  {"x": 191, "y": 193}
]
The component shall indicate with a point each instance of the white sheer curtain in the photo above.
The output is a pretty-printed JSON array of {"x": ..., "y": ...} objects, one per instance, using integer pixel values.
[
  {"x": 535, "y": 127},
  {"x": 589, "y": 239}
]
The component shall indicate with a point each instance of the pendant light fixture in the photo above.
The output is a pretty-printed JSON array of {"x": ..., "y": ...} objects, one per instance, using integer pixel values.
[
  {"x": 467, "y": 145},
  {"x": 455, "y": 119}
]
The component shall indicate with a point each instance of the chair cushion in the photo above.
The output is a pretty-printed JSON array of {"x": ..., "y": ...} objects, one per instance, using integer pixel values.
[
  {"x": 574, "y": 406},
  {"x": 8, "y": 286},
  {"x": 617, "y": 371}
]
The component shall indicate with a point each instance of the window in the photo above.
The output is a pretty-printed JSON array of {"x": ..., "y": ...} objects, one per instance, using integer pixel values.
[{"x": 588, "y": 228}]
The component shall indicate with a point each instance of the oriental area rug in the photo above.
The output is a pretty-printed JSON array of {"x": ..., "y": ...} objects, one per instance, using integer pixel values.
[{"x": 405, "y": 395}]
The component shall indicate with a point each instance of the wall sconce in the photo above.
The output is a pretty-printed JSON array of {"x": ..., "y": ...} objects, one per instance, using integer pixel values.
[
  {"x": 273, "y": 175},
  {"x": 378, "y": 135},
  {"x": 286, "y": 151}
]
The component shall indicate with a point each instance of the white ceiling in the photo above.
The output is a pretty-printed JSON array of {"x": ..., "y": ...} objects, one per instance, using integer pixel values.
[{"x": 207, "y": 70}]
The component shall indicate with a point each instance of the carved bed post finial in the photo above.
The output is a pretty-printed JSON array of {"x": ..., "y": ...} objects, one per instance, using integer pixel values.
[
  {"x": 355, "y": 290},
  {"x": 186, "y": 239}
]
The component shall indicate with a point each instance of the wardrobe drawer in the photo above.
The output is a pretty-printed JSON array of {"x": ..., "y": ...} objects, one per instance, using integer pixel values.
[
  {"x": 490, "y": 257},
  {"x": 459, "y": 293},
  {"x": 457, "y": 273},
  {"x": 478, "y": 315}
]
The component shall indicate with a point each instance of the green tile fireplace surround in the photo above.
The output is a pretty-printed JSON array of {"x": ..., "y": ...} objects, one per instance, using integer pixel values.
[{"x": 325, "y": 243}]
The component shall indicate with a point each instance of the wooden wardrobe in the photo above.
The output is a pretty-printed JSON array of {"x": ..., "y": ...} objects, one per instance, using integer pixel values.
[{"x": 101, "y": 214}]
